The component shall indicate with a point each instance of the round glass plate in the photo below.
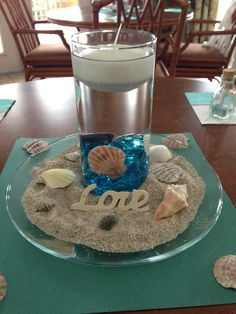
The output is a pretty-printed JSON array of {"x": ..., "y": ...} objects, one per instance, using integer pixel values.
[{"x": 205, "y": 219}]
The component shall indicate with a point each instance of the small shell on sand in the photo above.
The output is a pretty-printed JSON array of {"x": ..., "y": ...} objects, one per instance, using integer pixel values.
[
  {"x": 159, "y": 153},
  {"x": 224, "y": 271},
  {"x": 57, "y": 178},
  {"x": 34, "y": 147},
  {"x": 175, "y": 141},
  {"x": 73, "y": 156},
  {"x": 175, "y": 199},
  {"x": 45, "y": 206},
  {"x": 3, "y": 287},
  {"x": 147, "y": 142},
  {"x": 166, "y": 172},
  {"x": 107, "y": 160}
]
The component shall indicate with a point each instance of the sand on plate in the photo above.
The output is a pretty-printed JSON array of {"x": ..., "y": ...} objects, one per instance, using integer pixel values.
[{"x": 134, "y": 231}]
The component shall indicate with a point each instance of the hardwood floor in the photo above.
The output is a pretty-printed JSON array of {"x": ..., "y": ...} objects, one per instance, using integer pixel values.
[{"x": 12, "y": 78}]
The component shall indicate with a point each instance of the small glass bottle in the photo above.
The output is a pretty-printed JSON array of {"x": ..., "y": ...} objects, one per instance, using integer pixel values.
[{"x": 223, "y": 102}]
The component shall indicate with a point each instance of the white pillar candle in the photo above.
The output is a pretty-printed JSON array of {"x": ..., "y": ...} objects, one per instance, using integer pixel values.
[{"x": 114, "y": 67}]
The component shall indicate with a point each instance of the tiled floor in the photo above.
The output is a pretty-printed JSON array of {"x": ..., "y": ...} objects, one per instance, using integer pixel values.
[{"x": 12, "y": 78}]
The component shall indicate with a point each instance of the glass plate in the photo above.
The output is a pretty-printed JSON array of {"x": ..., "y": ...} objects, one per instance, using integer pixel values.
[{"x": 205, "y": 219}]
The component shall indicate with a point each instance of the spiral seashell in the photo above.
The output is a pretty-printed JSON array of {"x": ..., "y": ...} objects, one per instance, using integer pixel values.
[
  {"x": 34, "y": 147},
  {"x": 166, "y": 172},
  {"x": 175, "y": 141},
  {"x": 107, "y": 160},
  {"x": 3, "y": 287},
  {"x": 57, "y": 178},
  {"x": 224, "y": 271},
  {"x": 73, "y": 157},
  {"x": 175, "y": 199},
  {"x": 45, "y": 206}
]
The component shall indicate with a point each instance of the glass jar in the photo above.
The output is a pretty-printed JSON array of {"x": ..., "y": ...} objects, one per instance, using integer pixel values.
[{"x": 223, "y": 102}]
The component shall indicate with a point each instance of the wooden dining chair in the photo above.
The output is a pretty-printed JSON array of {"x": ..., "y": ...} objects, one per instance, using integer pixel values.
[
  {"x": 39, "y": 60},
  {"x": 201, "y": 60},
  {"x": 149, "y": 15}
]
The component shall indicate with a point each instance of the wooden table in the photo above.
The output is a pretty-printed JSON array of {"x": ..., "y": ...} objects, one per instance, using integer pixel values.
[
  {"x": 46, "y": 108},
  {"x": 81, "y": 16}
]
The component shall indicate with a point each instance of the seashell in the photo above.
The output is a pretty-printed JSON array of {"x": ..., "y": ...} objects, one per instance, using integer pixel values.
[
  {"x": 146, "y": 142},
  {"x": 34, "y": 147},
  {"x": 175, "y": 199},
  {"x": 107, "y": 160},
  {"x": 107, "y": 222},
  {"x": 175, "y": 141},
  {"x": 73, "y": 157},
  {"x": 159, "y": 153},
  {"x": 45, "y": 206},
  {"x": 224, "y": 271},
  {"x": 3, "y": 287},
  {"x": 57, "y": 178},
  {"x": 166, "y": 172}
]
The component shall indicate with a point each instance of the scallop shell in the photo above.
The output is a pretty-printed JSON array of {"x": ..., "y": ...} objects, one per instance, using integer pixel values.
[
  {"x": 175, "y": 199},
  {"x": 159, "y": 153},
  {"x": 224, "y": 271},
  {"x": 57, "y": 178},
  {"x": 36, "y": 146},
  {"x": 107, "y": 160},
  {"x": 174, "y": 141},
  {"x": 3, "y": 287},
  {"x": 73, "y": 157},
  {"x": 166, "y": 172},
  {"x": 45, "y": 206}
]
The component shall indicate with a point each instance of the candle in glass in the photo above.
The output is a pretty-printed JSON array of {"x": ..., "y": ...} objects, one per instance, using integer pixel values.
[{"x": 114, "y": 104}]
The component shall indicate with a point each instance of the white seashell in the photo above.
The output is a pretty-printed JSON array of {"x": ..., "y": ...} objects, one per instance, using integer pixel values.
[
  {"x": 175, "y": 199},
  {"x": 3, "y": 287},
  {"x": 175, "y": 141},
  {"x": 159, "y": 153},
  {"x": 166, "y": 172},
  {"x": 57, "y": 178},
  {"x": 224, "y": 271},
  {"x": 34, "y": 147},
  {"x": 107, "y": 160},
  {"x": 146, "y": 142},
  {"x": 73, "y": 157}
]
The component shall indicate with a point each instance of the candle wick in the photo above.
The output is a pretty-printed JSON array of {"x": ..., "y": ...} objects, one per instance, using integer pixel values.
[{"x": 118, "y": 34}]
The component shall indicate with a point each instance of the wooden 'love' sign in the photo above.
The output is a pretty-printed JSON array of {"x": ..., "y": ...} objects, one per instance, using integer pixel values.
[{"x": 112, "y": 199}]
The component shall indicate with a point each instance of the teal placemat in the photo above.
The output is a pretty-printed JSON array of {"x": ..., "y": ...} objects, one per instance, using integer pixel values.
[
  {"x": 5, "y": 105},
  {"x": 40, "y": 283},
  {"x": 200, "y": 98}
]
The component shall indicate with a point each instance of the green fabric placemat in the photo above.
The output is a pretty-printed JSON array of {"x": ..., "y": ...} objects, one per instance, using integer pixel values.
[{"x": 40, "y": 283}]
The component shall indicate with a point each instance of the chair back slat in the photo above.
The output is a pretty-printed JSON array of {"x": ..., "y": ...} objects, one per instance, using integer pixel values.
[
  {"x": 18, "y": 19},
  {"x": 149, "y": 15}
]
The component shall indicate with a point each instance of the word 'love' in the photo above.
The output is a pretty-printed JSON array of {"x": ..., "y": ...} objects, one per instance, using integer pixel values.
[{"x": 111, "y": 199}]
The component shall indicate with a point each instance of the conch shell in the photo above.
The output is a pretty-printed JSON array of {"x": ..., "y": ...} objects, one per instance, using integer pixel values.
[
  {"x": 175, "y": 199},
  {"x": 57, "y": 178},
  {"x": 107, "y": 160}
]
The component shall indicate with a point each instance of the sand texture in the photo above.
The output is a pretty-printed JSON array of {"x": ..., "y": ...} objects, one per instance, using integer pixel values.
[{"x": 134, "y": 231}]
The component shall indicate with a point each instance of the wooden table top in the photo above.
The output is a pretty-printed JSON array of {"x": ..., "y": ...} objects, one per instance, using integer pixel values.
[
  {"x": 81, "y": 17},
  {"x": 46, "y": 108}
]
